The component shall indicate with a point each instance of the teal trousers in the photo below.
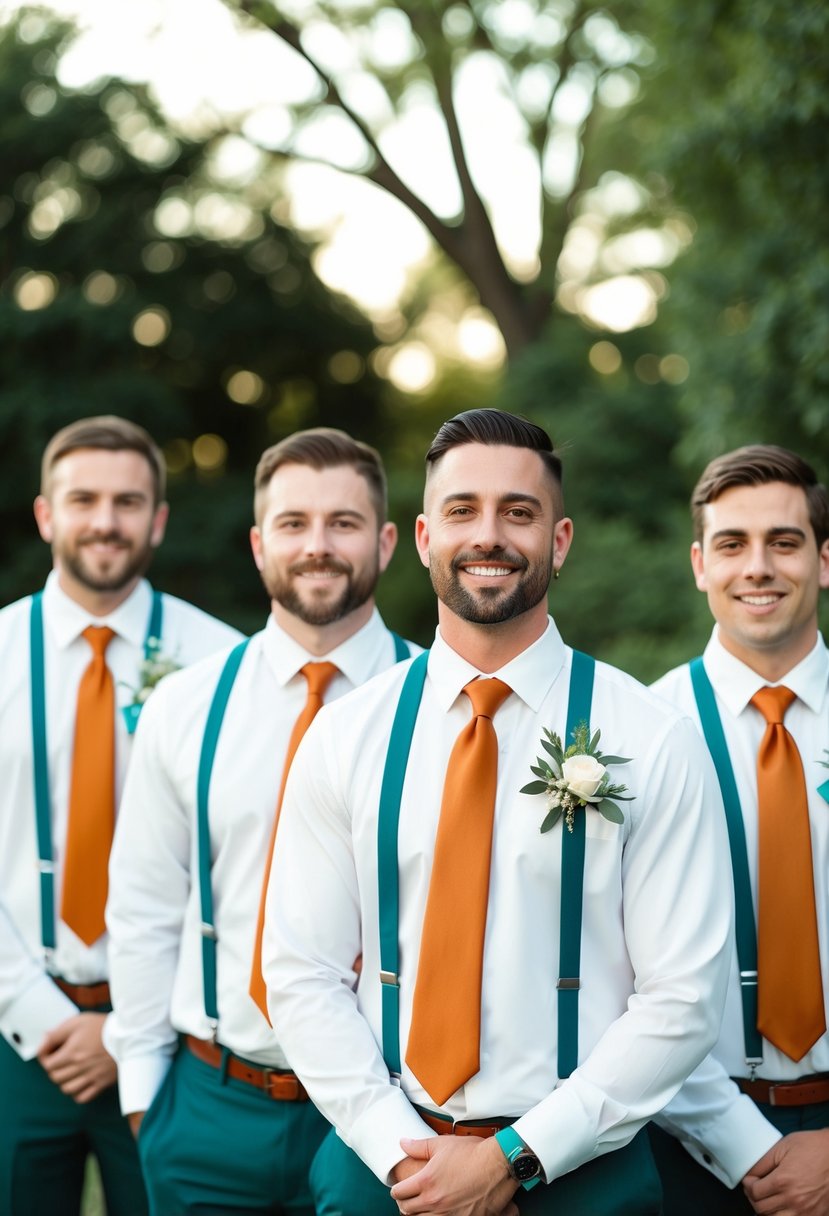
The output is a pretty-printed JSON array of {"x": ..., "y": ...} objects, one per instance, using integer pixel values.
[
  {"x": 689, "y": 1188},
  {"x": 46, "y": 1138},
  {"x": 212, "y": 1146},
  {"x": 624, "y": 1183}
]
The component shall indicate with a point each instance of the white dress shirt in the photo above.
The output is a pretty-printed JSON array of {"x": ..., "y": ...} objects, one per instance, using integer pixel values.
[
  {"x": 719, "y": 1126},
  {"x": 154, "y": 911},
  {"x": 655, "y": 930},
  {"x": 30, "y": 1004}
]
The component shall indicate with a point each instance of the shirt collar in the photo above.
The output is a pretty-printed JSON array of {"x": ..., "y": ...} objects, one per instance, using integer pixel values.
[
  {"x": 67, "y": 619},
  {"x": 530, "y": 674},
  {"x": 357, "y": 657},
  {"x": 736, "y": 683}
]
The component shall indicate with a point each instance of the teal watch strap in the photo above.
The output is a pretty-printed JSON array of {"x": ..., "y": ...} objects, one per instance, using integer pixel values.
[{"x": 511, "y": 1145}]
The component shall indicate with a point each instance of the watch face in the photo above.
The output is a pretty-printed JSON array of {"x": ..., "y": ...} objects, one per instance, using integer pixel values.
[{"x": 526, "y": 1166}]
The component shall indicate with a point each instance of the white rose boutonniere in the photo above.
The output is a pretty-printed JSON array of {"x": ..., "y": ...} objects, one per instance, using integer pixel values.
[
  {"x": 154, "y": 667},
  {"x": 576, "y": 777}
]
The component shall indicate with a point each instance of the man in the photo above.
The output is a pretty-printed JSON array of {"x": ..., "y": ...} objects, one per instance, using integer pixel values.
[
  {"x": 759, "y": 693},
  {"x": 504, "y": 1003},
  {"x": 229, "y": 1126},
  {"x": 77, "y": 661}
]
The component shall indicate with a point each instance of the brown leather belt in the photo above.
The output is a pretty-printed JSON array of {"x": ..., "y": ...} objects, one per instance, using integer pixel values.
[
  {"x": 787, "y": 1093},
  {"x": 85, "y": 996},
  {"x": 446, "y": 1127},
  {"x": 281, "y": 1086}
]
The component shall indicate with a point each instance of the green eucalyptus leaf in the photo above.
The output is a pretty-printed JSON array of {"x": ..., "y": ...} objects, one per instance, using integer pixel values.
[
  {"x": 551, "y": 819},
  {"x": 611, "y": 812},
  {"x": 541, "y": 770},
  {"x": 534, "y": 787},
  {"x": 605, "y": 760}
]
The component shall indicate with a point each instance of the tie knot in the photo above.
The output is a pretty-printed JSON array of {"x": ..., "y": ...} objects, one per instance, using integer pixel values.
[
  {"x": 319, "y": 676},
  {"x": 773, "y": 702},
  {"x": 99, "y": 637},
  {"x": 487, "y": 696}
]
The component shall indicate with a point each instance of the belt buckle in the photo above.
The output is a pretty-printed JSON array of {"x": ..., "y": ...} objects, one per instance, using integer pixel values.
[{"x": 273, "y": 1080}]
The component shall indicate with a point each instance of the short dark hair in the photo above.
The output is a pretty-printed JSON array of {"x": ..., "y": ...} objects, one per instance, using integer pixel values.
[
  {"x": 494, "y": 428},
  {"x": 106, "y": 433},
  {"x": 756, "y": 465},
  {"x": 322, "y": 447}
]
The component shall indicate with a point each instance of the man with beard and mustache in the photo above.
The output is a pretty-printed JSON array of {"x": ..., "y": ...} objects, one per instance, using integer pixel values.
[
  {"x": 228, "y": 1126},
  {"x": 540, "y": 971},
  {"x": 102, "y": 510}
]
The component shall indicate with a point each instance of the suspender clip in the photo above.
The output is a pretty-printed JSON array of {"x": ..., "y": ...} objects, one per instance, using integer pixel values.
[
  {"x": 753, "y": 1063},
  {"x": 209, "y": 931},
  {"x": 45, "y": 865},
  {"x": 390, "y": 978},
  {"x": 569, "y": 985},
  {"x": 214, "y": 1031},
  {"x": 748, "y": 979}
]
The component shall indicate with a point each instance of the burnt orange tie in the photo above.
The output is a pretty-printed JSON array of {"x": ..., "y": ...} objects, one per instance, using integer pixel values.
[
  {"x": 790, "y": 991},
  {"x": 444, "y": 1038},
  {"x": 91, "y": 795},
  {"x": 318, "y": 676}
]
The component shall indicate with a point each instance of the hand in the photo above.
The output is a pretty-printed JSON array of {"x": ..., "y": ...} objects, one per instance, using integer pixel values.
[
  {"x": 792, "y": 1179},
  {"x": 135, "y": 1118},
  {"x": 75, "y": 1058},
  {"x": 459, "y": 1176}
]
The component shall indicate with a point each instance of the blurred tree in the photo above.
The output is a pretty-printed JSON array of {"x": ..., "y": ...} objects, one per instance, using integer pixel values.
[
  {"x": 494, "y": 90},
  {"x": 738, "y": 121},
  {"x": 144, "y": 274}
]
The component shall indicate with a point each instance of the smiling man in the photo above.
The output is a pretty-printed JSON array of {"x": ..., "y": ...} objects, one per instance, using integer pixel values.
[
  {"x": 540, "y": 969},
  {"x": 74, "y": 659},
  {"x": 757, "y": 1111},
  {"x": 229, "y": 1127}
]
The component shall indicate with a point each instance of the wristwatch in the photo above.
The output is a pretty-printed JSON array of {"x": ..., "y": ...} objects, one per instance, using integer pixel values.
[{"x": 522, "y": 1163}]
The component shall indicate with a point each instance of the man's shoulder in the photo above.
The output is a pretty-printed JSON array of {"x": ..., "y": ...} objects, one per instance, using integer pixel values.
[
  {"x": 675, "y": 687},
  {"x": 190, "y": 633},
  {"x": 14, "y": 617}
]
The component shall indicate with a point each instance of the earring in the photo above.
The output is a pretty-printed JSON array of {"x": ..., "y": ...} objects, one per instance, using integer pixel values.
[{"x": 556, "y": 573}]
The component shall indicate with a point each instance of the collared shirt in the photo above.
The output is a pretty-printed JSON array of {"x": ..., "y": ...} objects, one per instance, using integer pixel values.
[
  {"x": 656, "y": 914},
  {"x": 154, "y": 910},
  {"x": 719, "y": 1126},
  {"x": 30, "y": 1004}
]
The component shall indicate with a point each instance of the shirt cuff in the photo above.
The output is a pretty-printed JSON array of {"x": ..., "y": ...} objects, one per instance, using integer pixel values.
[
  {"x": 731, "y": 1144},
  {"x": 139, "y": 1080},
  {"x": 377, "y": 1133},
  {"x": 33, "y": 1014}
]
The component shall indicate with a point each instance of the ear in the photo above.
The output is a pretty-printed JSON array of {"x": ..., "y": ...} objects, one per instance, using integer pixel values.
[
  {"x": 43, "y": 518},
  {"x": 422, "y": 539},
  {"x": 387, "y": 543},
  {"x": 562, "y": 540},
  {"x": 162, "y": 514},
  {"x": 256, "y": 547},
  {"x": 698, "y": 566},
  {"x": 823, "y": 558}
]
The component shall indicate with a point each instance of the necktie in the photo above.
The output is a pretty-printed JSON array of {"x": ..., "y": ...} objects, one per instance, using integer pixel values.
[
  {"x": 91, "y": 795},
  {"x": 318, "y": 677},
  {"x": 444, "y": 1038},
  {"x": 790, "y": 992}
]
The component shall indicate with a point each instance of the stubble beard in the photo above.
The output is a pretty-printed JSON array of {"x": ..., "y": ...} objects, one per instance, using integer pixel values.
[
  {"x": 490, "y": 605},
  {"x": 138, "y": 560}
]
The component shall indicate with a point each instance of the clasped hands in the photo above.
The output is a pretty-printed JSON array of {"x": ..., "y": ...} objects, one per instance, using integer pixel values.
[{"x": 453, "y": 1176}]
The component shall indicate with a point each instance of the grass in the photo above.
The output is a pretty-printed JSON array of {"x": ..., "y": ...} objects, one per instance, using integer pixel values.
[{"x": 93, "y": 1195}]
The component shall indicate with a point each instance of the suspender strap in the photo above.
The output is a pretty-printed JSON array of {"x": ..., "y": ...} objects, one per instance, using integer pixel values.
[
  {"x": 388, "y": 875},
  {"x": 572, "y": 882},
  {"x": 43, "y": 801},
  {"x": 212, "y": 728},
  {"x": 746, "y": 932},
  {"x": 401, "y": 648},
  {"x": 153, "y": 638}
]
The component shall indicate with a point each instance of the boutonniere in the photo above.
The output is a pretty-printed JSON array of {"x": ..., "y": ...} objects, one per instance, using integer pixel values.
[
  {"x": 576, "y": 777},
  {"x": 154, "y": 667}
]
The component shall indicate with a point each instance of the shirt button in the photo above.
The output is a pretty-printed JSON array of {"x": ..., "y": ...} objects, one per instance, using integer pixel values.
[
  {"x": 707, "y": 1158},
  {"x": 17, "y": 1038}
]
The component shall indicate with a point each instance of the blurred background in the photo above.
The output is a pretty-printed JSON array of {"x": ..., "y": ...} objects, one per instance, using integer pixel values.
[{"x": 227, "y": 221}]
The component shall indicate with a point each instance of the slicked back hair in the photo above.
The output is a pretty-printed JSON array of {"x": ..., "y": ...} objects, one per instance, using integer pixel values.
[
  {"x": 497, "y": 428},
  {"x": 106, "y": 433},
  {"x": 759, "y": 464},
  {"x": 322, "y": 448}
]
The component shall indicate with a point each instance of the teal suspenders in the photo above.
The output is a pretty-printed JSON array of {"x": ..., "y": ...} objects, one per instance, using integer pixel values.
[
  {"x": 746, "y": 933},
  {"x": 573, "y": 847},
  {"x": 213, "y": 726},
  {"x": 40, "y": 759}
]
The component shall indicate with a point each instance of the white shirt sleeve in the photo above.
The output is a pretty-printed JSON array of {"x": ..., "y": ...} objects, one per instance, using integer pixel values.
[
  {"x": 30, "y": 1003},
  {"x": 149, "y": 881},
  {"x": 720, "y": 1127}
]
